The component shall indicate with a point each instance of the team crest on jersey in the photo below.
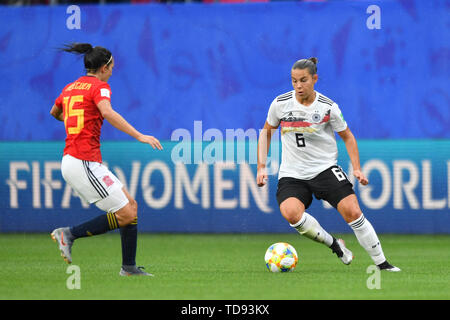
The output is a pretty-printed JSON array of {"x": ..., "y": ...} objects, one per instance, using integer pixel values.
[{"x": 316, "y": 117}]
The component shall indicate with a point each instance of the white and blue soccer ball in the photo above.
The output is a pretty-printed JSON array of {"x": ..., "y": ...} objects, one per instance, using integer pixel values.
[{"x": 281, "y": 257}]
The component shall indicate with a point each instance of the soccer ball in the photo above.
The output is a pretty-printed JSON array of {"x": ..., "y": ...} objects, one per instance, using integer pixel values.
[{"x": 281, "y": 257}]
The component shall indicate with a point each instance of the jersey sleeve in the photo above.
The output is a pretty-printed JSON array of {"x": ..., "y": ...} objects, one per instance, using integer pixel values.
[
  {"x": 59, "y": 102},
  {"x": 272, "y": 116},
  {"x": 337, "y": 119},
  {"x": 101, "y": 92}
]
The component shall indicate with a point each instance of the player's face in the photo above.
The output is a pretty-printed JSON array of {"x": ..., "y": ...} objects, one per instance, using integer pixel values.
[{"x": 303, "y": 82}]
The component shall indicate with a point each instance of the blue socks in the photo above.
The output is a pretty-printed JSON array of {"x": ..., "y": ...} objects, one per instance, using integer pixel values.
[
  {"x": 98, "y": 225},
  {"x": 128, "y": 235},
  {"x": 105, "y": 223}
]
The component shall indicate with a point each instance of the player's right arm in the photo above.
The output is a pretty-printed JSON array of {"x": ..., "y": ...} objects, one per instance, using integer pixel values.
[
  {"x": 263, "y": 149},
  {"x": 265, "y": 136},
  {"x": 57, "y": 113},
  {"x": 120, "y": 123}
]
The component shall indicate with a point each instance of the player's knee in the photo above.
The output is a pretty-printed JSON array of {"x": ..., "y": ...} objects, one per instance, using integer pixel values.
[
  {"x": 132, "y": 214},
  {"x": 129, "y": 218},
  {"x": 291, "y": 213},
  {"x": 127, "y": 214},
  {"x": 352, "y": 214},
  {"x": 349, "y": 209}
]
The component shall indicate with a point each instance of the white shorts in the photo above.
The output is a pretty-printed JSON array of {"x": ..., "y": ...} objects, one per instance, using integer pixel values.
[{"x": 94, "y": 183}]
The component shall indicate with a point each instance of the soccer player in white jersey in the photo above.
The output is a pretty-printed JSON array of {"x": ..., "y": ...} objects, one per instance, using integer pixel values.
[{"x": 307, "y": 120}]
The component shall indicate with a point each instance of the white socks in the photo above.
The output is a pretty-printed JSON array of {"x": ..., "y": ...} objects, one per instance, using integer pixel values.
[
  {"x": 310, "y": 227},
  {"x": 368, "y": 239},
  {"x": 365, "y": 233}
]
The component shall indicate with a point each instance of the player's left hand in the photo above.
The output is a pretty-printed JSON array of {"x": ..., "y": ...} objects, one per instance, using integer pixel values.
[
  {"x": 361, "y": 177},
  {"x": 151, "y": 141}
]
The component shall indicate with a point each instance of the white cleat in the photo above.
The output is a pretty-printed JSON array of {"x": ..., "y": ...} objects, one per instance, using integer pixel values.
[
  {"x": 347, "y": 256},
  {"x": 386, "y": 266},
  {"x": 342, "y": 252},
  {"x": 126, "y": 271},
  {"x": 63, "y": 238}
]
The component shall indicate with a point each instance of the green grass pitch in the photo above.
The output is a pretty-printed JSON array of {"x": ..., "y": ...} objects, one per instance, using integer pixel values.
[{"x": 221, "y": 267}]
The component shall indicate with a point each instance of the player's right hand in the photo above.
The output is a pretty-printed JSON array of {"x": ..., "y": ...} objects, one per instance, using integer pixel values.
[
  {"x": 151, "y": 141},
  {"x": 261, "y": 177}
]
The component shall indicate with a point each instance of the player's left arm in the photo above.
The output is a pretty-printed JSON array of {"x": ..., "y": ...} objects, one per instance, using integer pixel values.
[
  {"x": 57, "y": 113},
  {"x": 352, "y": 150},
  {"x": 117, "y": 121}
]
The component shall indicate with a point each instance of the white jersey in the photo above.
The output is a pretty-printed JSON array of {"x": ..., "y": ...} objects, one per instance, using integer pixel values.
[{"x": 307, "y": 134}]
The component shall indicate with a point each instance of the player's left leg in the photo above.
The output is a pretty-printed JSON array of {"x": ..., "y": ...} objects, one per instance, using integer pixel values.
[
  {"x": 94, "y": 183},
  {"x": 349, "y": 208},
  {"x": 128, "y": 236}
]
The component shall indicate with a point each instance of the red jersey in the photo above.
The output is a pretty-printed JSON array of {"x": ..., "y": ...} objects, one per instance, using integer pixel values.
[{"x": 82, "y": 118}]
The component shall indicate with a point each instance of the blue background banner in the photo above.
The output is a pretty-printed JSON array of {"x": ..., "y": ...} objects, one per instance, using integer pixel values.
[
  {"x": 409, "y": 190},
  {"x": 224, "y": 64},
  {"x": 197, "y": 71}
]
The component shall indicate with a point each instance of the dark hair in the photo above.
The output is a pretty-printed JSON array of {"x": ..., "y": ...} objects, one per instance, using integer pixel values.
[
  {"x": 94, "y": 57},
  {"x": 310, "y": 64}
]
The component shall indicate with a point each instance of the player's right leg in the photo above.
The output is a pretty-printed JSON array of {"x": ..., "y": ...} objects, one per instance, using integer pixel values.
[
  {"x": 309, "y": 227},
  {"x": 292, "y": 195}
]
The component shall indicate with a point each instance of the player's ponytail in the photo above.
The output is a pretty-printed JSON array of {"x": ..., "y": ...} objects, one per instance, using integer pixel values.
[
  {"x": 310, "y": 64},
  {"x": 314, "y": 60},
  {"x": 94, "y": 57},
  {"x": 78, "y": 48}
]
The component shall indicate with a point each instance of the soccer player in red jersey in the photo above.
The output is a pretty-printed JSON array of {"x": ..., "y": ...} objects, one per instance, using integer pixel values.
[{"x": 82, "y": 106}]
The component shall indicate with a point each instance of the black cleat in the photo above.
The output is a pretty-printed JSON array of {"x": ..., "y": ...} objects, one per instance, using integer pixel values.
[
  {"x": 341, "y": 251},
  {"x": 388, "y": 267}
]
